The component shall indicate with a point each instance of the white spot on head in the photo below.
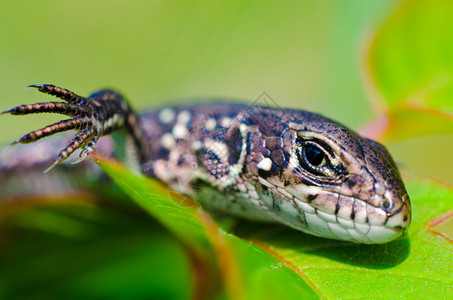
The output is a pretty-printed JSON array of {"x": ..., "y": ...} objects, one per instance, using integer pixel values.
[
  {"x": 236, "y": 169},
  {"x": 184, "y": 117},
  {"x": 226, "y": 122},
  {"x": 115, "y": 119},
  {"x": 166, "y": 115},
  {"x": 196, "y": 145},
  {"x": 220, "y": 149},
  {"x": 243, "y": 128},
  {"x": 180, "y": 131},
  {"x": 168, "y": 141},
  {"x": 265, "y": 164},
  {"x": 210, "y": 124}
]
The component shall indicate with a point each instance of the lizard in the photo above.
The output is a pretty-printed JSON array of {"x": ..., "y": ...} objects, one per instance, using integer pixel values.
[{"x": 261, "y": 163}]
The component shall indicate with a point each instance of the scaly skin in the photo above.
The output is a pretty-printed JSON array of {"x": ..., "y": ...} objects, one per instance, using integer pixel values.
[{"x": 262, "y": 163}]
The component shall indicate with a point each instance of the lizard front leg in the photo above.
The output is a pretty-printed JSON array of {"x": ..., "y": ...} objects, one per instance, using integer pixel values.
[{"x": 95, "y": 116}]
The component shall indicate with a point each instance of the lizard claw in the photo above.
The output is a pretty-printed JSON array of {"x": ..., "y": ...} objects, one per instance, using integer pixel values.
[
  {"x": 90, "y": 147},
  {"x": 56, "y": 163},
  {"x": 93, "y": 117}
]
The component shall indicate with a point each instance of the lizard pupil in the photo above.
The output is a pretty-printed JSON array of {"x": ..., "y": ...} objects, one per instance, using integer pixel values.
[{"x": 314, "y": 155}]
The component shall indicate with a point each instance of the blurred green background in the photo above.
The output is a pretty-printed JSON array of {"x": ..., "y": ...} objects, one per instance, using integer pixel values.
[{"x": 304, "y": 54}]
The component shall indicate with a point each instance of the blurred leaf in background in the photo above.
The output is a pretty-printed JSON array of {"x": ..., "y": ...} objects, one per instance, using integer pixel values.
[
  {"x": 75, "y": 252},
  {"x": 410, "y": 58},
  {"x": 409, "y": 72}
]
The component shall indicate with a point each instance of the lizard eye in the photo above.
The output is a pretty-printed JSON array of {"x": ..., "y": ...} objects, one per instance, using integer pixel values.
[{"x": 313, "y": 157}]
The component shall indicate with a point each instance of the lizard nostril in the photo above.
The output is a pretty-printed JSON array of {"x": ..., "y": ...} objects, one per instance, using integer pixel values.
[{"x": 385, "y": 204}]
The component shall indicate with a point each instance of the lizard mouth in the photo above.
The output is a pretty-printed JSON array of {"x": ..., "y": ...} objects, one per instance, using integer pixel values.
[
  {"x": 344, "y": 217},
  {"x": 373, "y": 230}
]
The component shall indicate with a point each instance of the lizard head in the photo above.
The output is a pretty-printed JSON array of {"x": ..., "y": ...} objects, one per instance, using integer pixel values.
[{"x": 339, "y": 185}]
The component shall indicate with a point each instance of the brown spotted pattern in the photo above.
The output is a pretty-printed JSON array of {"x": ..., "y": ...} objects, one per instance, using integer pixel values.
[{"x": 262, "y": 163}]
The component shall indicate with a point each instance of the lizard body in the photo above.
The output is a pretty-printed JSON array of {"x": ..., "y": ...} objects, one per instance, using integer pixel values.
[{"x": 262, "y": 163}]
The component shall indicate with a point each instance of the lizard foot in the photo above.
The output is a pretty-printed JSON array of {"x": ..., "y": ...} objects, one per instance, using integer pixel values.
[{"x": 93, "y": 117}]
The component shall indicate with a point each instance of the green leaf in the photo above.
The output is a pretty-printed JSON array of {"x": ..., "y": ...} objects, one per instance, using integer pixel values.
[
  {"x": 416, "y": 266},
  {"x": 264, "y": 276},
  {"x": 158, "y": 201},
  {"x": 410, "y": 65},
  {"x": 80, "y": 251},
  {"x": 245, "y": 269},
  {"x": 407, "y": 121},
  {"x": 411, "y": 56}
]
